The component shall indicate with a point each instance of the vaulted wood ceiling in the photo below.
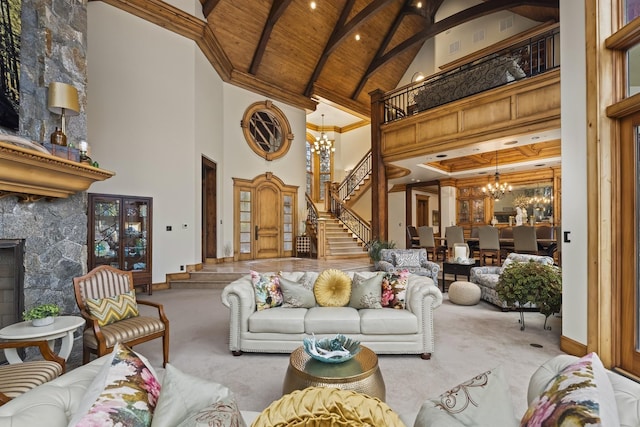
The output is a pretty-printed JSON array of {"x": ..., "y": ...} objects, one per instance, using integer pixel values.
[{"x": 287, "y": 51}]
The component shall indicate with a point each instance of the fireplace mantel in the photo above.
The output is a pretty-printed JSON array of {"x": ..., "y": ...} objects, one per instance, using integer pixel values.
[{"x": 32, "y": 175}]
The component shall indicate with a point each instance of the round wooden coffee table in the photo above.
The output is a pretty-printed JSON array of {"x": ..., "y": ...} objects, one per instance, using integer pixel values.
[{"x": 360, "y": 374}]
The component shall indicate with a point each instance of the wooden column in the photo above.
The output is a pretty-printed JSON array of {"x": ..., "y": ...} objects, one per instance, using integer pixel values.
[{"x": 379, "y": 199}]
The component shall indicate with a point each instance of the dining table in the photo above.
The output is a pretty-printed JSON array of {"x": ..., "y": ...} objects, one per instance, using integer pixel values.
[{"x": 547, "y": 246}]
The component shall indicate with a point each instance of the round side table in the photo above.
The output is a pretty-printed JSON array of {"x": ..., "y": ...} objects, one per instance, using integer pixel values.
[
  {"x": 360, "y": 374},
  {"x": 62, "y": 327}
]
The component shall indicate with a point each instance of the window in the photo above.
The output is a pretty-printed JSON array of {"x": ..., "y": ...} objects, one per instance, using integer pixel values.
[{"x": 266, "y": 130}]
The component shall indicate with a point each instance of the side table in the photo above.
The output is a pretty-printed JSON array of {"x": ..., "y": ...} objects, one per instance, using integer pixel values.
[
  {"x": 454, "y": 267},
  {"x": 360, "y": 374},
  {"x": 63, "y": 327}
]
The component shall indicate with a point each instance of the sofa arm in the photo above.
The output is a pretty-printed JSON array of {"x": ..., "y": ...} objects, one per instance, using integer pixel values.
[
  {"x": 239, "y": 297},
  {"x": 421, "y": 291},
  {"x": 385, "y": 266},
  {"x": 478, "y": 271}
]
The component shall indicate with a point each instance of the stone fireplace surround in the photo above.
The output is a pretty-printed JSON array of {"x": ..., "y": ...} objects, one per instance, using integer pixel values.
[{"x": 53, "y": 48}]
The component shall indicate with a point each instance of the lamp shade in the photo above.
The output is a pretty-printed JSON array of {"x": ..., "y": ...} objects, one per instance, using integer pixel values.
[{"x": 63, "y": 97}]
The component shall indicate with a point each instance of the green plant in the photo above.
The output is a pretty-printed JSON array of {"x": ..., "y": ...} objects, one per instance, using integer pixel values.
[
  {"x": 376, "y": 245},
  {"x": 41, "y": 311},
  {"x": 532, "y": 282}
]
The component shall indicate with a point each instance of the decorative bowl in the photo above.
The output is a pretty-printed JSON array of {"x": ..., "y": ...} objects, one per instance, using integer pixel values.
[{"x": 331, "y": 350}]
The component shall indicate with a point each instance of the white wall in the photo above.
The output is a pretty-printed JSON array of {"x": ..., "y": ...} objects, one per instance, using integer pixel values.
[
  {"x": 463, "y": 35},
  {"x": 397, "y": 224},
  {"x": 155, "y": 106},
  {"x": 574, "y": 166},
  {"x": 241, "y": 162}
]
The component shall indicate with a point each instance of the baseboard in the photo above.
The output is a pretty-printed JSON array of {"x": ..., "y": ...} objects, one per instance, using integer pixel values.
[{"x": 572, "y": 347}]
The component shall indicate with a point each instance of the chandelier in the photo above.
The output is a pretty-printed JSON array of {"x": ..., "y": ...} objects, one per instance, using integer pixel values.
[
  {"x": 496, "y": 189},
  {"x": 323, "y": 145}
]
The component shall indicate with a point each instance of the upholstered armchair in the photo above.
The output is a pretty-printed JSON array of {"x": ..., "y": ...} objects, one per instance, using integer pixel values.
[
  {"x": 106, "y": 299},
  {"x": 19, "y": 378},
  {"x": 413, "y": 260},
  {"x": 487, "y": 277}
]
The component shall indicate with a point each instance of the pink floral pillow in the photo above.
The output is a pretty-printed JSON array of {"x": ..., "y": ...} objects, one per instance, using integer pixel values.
[
  {"x": 124, "y": 393},
  {"x": 267, "y": 290},
  {"x": 394, "y": 289}
]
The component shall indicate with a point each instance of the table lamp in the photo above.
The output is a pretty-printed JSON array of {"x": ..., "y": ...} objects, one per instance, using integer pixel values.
[{"x": 63, "y": 100}]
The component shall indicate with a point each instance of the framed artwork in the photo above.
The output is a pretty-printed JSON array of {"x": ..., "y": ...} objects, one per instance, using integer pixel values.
[
  {"x": 435, "y": 218},
  {"x": 10, "y": 64}
]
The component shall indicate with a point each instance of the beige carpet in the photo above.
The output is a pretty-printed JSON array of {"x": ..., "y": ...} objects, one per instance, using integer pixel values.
[{"x": 469, "y": 340}]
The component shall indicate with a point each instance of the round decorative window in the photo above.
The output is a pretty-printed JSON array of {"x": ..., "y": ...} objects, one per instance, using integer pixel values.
[{"x": 266, "y": 130}]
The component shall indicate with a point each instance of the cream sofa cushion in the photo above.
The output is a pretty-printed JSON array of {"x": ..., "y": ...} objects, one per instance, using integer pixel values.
[
  {"x": 328, "y": 320},
  {"x": 279, "y": 320},
  {"x": 387, "y": 321}
]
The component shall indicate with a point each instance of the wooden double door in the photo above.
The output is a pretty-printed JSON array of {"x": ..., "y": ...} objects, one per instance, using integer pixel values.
[{"x": 265, "y": 215}]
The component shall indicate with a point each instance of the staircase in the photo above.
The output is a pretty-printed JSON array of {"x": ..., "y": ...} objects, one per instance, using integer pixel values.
[{"x": 340, "y": 241}]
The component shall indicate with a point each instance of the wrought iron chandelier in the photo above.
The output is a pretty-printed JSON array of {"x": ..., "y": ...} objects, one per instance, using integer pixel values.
[
  {"x": 496, "y": 189},
  {"x": 323, "y": 145}
]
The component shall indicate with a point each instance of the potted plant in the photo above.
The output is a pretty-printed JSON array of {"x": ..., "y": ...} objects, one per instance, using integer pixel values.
[
  {"x": 376, "y": 245},
  {"x": 531, "y": 282},
  {"x": 41, "y": 315}
]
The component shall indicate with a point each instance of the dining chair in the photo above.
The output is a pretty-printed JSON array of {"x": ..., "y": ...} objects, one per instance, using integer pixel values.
[
  {"x": 414, "y": 238},
  {"x": 427, "y": 241},
  {"x": 489, "y": 244},
  {"x": 524, "y": 240},
  {"x": 106, "y": 299},
  {"x": 453, "y": 234},
  {"x": 18, "y": 378}
]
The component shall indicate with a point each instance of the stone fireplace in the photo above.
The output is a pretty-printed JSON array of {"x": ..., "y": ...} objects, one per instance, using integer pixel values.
[
  {"x": 53, "y": 236},
  {"x": 11, "y": 278},
  {"x": 52, "y": 231}
]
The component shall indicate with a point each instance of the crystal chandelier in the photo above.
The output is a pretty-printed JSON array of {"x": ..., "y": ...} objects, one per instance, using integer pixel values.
[
  {"x": 323, "y": 145},
  {"x": 497, "y": 189}
]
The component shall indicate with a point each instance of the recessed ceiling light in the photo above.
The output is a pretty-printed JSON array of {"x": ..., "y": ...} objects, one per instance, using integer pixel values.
[
  {"x": 511, "y": 143},
  {"x": 539, "y": 165},
  {"x": 357, "y": 37},
  {"x": 476, "y": 149},
  {"x": 441, "y": 156},
  {"x": 533, "y": 138},
  {"x": 482, "y": 173},
  {"x": 312, "y": 5}
]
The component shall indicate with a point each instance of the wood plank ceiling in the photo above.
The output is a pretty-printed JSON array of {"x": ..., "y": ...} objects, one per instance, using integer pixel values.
[{"x": 288, "y": 51}]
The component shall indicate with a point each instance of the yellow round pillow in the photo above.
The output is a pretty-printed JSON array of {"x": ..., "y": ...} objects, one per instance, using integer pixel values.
[
  {"x": 320, "y": 406},
  {"x": 332, "y": 288}
]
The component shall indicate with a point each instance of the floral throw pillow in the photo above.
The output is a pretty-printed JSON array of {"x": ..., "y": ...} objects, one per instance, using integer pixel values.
[
  {"x": 394, "y": 289},
  {"x": 267, "y": 290},
  {"x": 297, "y": 294},
  {"x": 366, "y": 292},
  {"x": 124, "y": 393},
  {"x": 223, "y": 413},
  {"x": 580, "y": 395}
]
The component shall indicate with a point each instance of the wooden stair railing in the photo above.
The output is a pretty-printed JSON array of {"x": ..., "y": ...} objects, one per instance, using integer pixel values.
[
  {"x": 360, "y": 228},
  {"x": 356, "y": 177}
]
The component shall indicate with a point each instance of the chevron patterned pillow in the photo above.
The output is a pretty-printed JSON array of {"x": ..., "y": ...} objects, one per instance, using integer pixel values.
[{"x": 112, "y": 309}]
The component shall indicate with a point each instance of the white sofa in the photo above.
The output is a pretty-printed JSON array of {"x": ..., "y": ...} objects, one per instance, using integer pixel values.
[
  {"x": 281, "y": 330},
  {"x": 53, "y": 404}
]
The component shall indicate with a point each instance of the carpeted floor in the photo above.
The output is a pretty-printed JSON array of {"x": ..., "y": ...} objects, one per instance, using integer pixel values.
[{"x": 469, "y": 340}]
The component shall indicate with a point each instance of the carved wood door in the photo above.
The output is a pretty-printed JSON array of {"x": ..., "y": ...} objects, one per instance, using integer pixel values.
[
  {"x": 268, "y": 220},
  {"x": 265, "y": 215}
]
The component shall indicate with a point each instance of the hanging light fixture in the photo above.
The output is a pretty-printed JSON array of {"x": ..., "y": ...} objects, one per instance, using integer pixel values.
[
  {"x": 496, "y": 189},
  {"x": 323, "y": 145}
]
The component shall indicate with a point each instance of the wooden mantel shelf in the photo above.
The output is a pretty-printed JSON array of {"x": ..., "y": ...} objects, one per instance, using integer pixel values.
[{"x": 32, "y": 175}]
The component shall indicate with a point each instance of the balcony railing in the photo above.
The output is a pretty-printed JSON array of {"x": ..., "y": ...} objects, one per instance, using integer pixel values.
[{"x": 523, "y": 60}]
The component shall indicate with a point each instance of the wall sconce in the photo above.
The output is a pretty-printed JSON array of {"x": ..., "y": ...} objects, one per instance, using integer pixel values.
[
  {"x": 63, "y": 100},
  {"x": 418, "y": 76}
]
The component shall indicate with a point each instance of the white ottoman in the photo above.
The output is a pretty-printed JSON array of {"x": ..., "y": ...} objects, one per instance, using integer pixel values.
[{"x": 464, "y": 293}]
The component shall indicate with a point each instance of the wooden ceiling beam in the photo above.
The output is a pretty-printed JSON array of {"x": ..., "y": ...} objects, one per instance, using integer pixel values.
[
  {"x": 277, "y": 9},
  {"x": 529, "y": 150},
  {"x": 477, "y": 11},
  {"x": 406, "y": 9},
  {"x": 208, "y": 7},
  {"x": 341, "y": 31}
]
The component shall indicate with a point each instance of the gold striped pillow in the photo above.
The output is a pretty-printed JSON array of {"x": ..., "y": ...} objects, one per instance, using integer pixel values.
[{"x": 112, "y": 309}]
